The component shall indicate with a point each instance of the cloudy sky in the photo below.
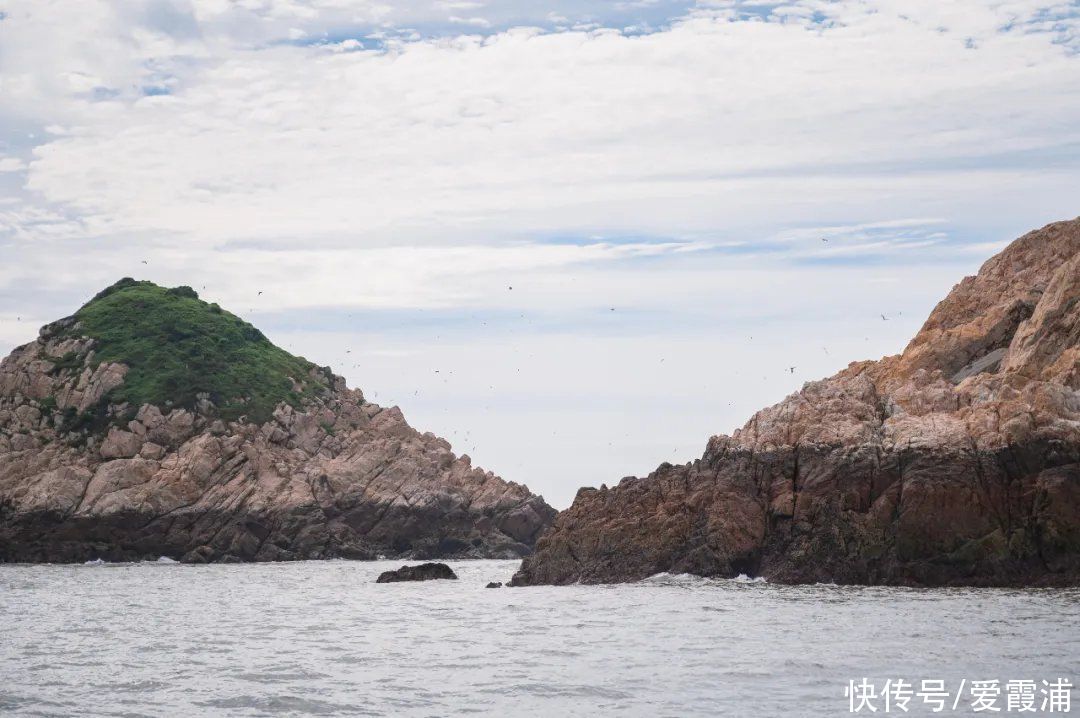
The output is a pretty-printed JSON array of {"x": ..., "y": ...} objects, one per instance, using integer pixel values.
[{"x": 574, "y": 237}]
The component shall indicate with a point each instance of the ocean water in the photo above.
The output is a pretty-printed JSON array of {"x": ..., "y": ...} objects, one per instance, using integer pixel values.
[{"x": 321, "y": 638}]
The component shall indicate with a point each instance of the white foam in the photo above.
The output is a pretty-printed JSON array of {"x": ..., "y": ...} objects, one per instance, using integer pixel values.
[
  {"x": 687, "y": 579},
  {"x": 95, "y": 562},
  {"x": 743, "y": 578},
  {"x": 677, "y": 579}
]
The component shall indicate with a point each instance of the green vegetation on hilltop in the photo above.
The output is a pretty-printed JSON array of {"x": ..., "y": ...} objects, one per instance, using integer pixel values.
[{"x": 177, "y": 346}]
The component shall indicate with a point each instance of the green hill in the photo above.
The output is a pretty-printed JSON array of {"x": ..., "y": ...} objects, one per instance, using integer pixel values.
[{"x": 176, "y": 346}]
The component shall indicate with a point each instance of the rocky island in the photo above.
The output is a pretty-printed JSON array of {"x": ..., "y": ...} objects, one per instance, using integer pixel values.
[
  {"x": 956, "y": 462},
  {"x": 151, "y": 423},
  {"x": 423, "y": 572}
]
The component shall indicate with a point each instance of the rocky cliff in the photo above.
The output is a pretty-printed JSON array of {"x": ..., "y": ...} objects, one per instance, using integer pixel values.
[
  {"x": 956, "y": 462},
  {"x": 154, "y": 424}
]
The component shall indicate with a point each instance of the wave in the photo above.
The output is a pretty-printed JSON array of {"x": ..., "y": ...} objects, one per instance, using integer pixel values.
[
  {"x": 688, "y": 579},
  {"x": 743, "y": 578}
]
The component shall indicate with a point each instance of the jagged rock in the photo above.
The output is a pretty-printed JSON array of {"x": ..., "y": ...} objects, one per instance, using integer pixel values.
[
  {"x": 333, "y": 476},
  {"x": 956, "y": 462},
  {"x": 120, "y": 444},
  {"x": 423, "y": 572},
  {"x": 494, "y": 584}
]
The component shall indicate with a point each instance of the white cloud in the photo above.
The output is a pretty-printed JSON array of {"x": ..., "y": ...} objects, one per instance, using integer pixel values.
[
  {"x": 480, "y": 133},
  {"x": 474, "y": 21},
  {"x": 11, "y": 164},
  {"x": 364, "y": 156}
]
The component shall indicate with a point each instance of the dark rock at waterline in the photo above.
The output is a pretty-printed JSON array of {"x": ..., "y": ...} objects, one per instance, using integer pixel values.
[
  {"x": 423, "y": 572},
  {"x": 494, "y": 584}
]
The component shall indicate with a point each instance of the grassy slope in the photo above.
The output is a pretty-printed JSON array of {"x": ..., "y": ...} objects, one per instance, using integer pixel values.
[{"x": 177, "y": 346}]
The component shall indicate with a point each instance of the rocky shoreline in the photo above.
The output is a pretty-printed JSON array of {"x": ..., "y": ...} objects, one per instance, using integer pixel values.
[
  {"x": 954, "y": 463},
  {"x": 83, "y": 476}
]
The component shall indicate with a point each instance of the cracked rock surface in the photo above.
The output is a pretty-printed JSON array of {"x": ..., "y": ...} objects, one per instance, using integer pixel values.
[
  {"x": 956, "y": 462},
  {"x": 82, "y": 479}
]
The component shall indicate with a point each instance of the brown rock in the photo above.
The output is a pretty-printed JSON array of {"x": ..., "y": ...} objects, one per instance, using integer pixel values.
[
  {"x": 338, "y": 477},
  {"x": 956, "y": 462},
  {"x": 120, "y": 444},
  {"x": 423, "y": 572},
  {"x": 150, "y": 450}
]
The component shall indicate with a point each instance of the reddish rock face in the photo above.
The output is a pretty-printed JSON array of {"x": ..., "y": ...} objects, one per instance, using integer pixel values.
[
  {"x": 956, "y": 462},
  {"x": 341, "y": 477}
]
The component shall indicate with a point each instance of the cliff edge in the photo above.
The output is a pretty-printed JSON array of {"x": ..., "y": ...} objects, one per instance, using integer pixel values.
[{"x": 956, "y": 462}]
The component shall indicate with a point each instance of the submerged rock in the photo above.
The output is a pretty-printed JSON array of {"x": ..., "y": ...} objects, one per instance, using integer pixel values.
[
  {"x": 423, "y": 572},
  {"x": 956, "y": 462},
  {"x": 274, "y": 459}
]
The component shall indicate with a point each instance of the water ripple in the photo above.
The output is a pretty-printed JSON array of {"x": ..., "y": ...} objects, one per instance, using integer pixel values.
[{"x": 321, "y": 638}]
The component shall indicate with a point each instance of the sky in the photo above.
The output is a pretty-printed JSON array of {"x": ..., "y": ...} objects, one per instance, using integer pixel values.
[{"x": 575, "y": 238}]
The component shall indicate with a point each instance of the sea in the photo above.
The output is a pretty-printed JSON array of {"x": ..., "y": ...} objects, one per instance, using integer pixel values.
[{"x": 322, "y": 638}]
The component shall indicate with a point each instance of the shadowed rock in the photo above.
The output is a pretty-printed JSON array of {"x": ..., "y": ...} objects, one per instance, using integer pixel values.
[
  {"x": 956, "y": 462},
  {"x": 423, "y": 572}
]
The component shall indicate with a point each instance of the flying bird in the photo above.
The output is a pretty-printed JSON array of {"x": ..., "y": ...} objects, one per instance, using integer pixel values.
[
  {"x": 792, "y": 370},
  {"x": 144, "y": 261},
  {"x": 884, "y": 318},
  {"x": 824, "y": 240}
]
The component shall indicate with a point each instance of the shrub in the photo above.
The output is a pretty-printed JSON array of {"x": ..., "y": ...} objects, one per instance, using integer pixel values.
[{"x": 177, "y": 346}]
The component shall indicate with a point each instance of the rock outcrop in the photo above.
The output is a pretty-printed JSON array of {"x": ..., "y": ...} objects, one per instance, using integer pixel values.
[
  {"x": 84, "y": 475},
  {"x": 955, "y": 463},
  {"x": 423, "y": 572}
]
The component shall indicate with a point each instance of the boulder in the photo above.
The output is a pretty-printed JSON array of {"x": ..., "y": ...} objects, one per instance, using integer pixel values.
[{"x": 422, "y": 572}]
